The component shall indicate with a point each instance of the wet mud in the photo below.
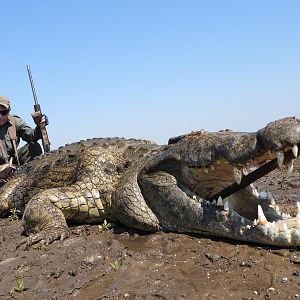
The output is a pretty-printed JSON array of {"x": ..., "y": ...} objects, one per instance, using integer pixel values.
[{"x": 122, "y": 264}]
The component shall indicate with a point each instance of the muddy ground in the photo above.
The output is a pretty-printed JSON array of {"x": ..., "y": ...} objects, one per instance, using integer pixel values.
[{"x": 123, "y": 264}]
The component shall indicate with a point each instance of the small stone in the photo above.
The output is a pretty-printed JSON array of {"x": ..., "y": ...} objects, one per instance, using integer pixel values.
[
  {"x": 72, "y": 273},
  {"x": 282, "y": 252},
  {"x": 296, "y": 273},
  {"x": 246, "y": 264},
  {"x": 295, "y": 260}
]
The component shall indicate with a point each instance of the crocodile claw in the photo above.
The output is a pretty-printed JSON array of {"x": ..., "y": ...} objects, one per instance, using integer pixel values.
[{"x": 44, "y": 237}]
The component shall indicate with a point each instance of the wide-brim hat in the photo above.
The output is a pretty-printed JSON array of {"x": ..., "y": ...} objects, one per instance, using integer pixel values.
[{"x": 5, "y": 102}]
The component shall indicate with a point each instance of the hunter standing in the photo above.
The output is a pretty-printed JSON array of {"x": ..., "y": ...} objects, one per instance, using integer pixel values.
[{"x": 12, "y": 130}]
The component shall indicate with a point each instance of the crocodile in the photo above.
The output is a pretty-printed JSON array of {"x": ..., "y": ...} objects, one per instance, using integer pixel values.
[{"x": 150, "y": 187}]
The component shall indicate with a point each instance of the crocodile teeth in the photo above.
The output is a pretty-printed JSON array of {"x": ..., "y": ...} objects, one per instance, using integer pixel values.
[
  {"x": 261, "y": 216},
  {"x": 255, "y": 222},
  {"x": 200, "y": 200},
  {"x": 205, "y": 170},
  {"x": 214, "y": 202},
  {"x": 237, "y": 175},
  {"x": 280, "y": 158},
  {"x": 295, "y": 150},
  {"x": 254, "y": 191},
  {"x": 226, "y": 206},
  {"x": 245, "y": 171},
  {"x": 283, "y": 215},
  {"x": 285, "y": 227},
  {"x": 220, "y": 201},
  {"x": 270, "y": 198},
  {"x": 290, "y": 167}
]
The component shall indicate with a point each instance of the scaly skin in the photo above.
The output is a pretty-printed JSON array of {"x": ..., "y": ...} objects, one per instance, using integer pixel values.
[{"x": 149, "y": 187}]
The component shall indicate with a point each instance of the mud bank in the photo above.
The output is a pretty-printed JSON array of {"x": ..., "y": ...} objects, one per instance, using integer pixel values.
[{"x": 123, "y": 264}]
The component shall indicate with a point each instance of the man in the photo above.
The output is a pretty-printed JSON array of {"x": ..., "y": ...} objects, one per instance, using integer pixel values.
[{"x": 12, "y": 129}]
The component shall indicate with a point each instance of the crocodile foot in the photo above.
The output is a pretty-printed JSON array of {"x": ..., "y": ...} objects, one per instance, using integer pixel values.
[
  {"x": 43, "y": 222},
  {"x": 45, "y": 237}
]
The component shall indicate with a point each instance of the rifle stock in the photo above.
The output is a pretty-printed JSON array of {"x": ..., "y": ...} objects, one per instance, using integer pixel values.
[{"x": 37, "y": 110}]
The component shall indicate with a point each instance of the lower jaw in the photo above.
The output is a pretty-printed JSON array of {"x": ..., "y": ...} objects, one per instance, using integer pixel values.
[{"x": 264, "y": 224}]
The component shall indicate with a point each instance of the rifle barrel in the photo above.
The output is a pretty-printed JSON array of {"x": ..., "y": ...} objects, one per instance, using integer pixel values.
[
  {"x": 32, "y": 85},
  {"x": 37, "y": 108}
]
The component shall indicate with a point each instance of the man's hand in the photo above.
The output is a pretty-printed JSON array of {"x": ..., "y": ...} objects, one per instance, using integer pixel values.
[
  {"x": 6, "y": 169},
  {"x": 40, "y": 119},
  {"x": 44, "y": 120}
]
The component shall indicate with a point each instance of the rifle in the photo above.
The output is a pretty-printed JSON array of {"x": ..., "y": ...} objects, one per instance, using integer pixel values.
[{"x": 37, "y": 111}]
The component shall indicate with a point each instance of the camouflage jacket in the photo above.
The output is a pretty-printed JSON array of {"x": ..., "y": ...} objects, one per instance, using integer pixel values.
[{"x": 23, "y": 131}]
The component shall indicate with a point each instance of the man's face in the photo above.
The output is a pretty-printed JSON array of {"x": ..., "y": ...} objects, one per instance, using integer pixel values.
[{"x": 4, "y": 112}]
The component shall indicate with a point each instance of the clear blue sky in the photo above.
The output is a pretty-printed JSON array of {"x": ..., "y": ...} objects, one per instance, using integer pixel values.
[{"x": 151, "y": 69}]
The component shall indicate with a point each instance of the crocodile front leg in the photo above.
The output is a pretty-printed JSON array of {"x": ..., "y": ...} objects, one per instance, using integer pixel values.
[
  {"x": 174, "y": 209},
  {"x": 46, "y": 215},
  {"x": 43, "y": 221}
]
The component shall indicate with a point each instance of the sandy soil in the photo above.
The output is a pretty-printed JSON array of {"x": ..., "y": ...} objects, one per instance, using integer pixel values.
[{"x": 123, "y": 264}]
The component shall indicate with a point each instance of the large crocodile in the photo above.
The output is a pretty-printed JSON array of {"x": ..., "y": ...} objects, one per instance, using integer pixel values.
[{"x": 150, "y": 187}]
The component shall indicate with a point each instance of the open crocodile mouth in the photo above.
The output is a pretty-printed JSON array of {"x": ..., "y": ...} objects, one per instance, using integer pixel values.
[
  {"x": 243, "y": 208},
  {"x": 221, "y": 181}
]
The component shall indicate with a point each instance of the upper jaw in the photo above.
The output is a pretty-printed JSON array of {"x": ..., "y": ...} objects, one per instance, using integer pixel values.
[
  {"x": 204, "y": 149},
  {"x": 243, "y": 152}
]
